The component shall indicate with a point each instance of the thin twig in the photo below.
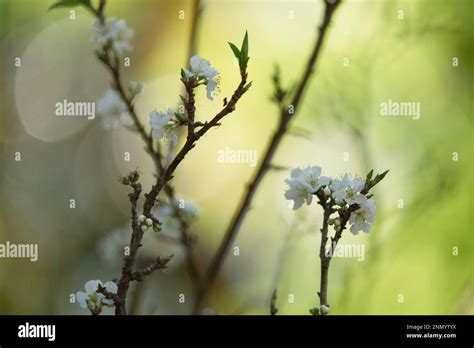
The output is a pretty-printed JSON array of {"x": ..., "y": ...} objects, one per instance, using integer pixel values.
[
  {"x": 160, "y": 263},
  {"x": 326, "y": 254},
  {"x": 191, "y": 139},
  {"x": 273, "y": 307},
  {"x": 244, "y": 205}
]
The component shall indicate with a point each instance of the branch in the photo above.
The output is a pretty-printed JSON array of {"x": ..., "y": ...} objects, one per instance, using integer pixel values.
[
  {"x": 155, "y": 154},
  {"x": 230, "y": 106},
  {"x": 244, "y": 205},
  {"x": 186, "y": 240},
  {"x": 325, "y": 259},
  {"x": 192, "y": 137},
  {"x": 108, "y": 295},
  {"x": 160, "y": 263},
  {"x": 129, "y": 259}
]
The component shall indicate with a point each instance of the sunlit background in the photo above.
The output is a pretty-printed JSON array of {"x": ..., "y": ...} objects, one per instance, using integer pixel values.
[{"x": 420, "y": 248}]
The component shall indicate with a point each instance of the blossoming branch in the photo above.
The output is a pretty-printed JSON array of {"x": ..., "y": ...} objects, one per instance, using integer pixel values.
[
  {"x": 345, "y": 201},
  {"x": 112, "y": 37}
]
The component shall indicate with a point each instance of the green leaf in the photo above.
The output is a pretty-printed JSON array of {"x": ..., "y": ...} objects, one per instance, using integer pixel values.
[
  {"x": 235, "y": 50},
  {"x": 369, "y": 175},
  {"x": 245, "y": 45},
  {"x": 248, "y": 85},
  {"x": 69, "y": 3},
  {"x": 244, "y": 52},
  {"x": 379, "y": 177}
]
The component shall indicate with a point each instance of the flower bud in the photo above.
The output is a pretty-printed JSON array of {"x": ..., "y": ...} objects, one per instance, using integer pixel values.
[
  {"x": 144, "y": 228},
  {"x": 134, "y": 176},
  {"x": 135, "y": 88},
  {"x": 327, "y": 191},
  {"x": 142, "y": 218},
  {"x": 149, "y": 222},
  {"x": 324, "y": 309}
]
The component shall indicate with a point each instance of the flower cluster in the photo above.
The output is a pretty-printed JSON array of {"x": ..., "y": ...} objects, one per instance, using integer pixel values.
[
  {"x": 202, "y": 70},
  {"x": 341, "y": 195},
  {"x": 94, "y": 300},
  {"x": 145, "y": 223},
  {"x": 113, "y": 33}
]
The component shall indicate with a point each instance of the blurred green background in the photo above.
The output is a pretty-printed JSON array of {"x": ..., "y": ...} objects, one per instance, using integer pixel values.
[{"x": 409, "y": 251}]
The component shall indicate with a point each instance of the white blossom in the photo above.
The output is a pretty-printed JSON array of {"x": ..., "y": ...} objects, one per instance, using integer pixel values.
[
  {"x": 159, "y": 122},
  {"x": 299, "y": 192},
  {"x": 312, "y": 176},
  {"x": 347, "y": 190},
  {"x": 112, "y": 288},
  {"x": 110, "y": 107},
  {"x": 210, "y": 87},
  {"x": 303, "y": 184},
  {"x": 172, "y": 135},
  {"x": 142, "y": 218},
  {"x": 93, "y": 300},
  {"x": 201, "y": 68},
  {"x": 363, "y": 217},
  {"x": 114, "y": 32}
]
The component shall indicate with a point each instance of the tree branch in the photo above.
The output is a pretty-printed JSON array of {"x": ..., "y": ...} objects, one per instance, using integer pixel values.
[
  {"x": 191, "y": 139},
  {"x": 160, "y": 263},
  {"x": 155, "y": 154},
  {"x": 244, "y": 205}
]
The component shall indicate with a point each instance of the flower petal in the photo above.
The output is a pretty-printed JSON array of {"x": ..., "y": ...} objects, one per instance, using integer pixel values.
[
  {"x": 111, "y": 287},
  {"x": 81, "y": 297},
  {"x": 92, "y": 286},
  {"x": 211, "y": 86}
]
